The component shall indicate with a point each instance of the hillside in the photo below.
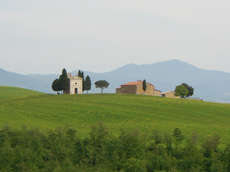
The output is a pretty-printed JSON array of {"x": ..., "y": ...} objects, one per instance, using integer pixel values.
[
  {"x": 7, "y": 92},
  {"x": 145, "y": 113}
]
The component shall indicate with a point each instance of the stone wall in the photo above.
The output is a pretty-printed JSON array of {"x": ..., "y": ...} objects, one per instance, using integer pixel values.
[
  {"x": 156, "y": 93},
  {"x": 128, "y": 89},
  {"x": 118, "y": 90},
  {"x": 149, "y": 89},
  {"x": 170, "y": 94}
]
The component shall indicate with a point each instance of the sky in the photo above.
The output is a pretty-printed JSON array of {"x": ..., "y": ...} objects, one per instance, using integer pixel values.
[{"x": 45, "y": 36}]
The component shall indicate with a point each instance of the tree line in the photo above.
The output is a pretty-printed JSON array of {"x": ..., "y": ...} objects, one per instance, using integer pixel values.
[
  {"x": 86, "y": 84},
  {"x": 62, "y": 84},
  {"x": 61, "y": 149}
]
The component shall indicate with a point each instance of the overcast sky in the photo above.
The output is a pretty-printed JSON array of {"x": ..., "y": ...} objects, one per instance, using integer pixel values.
[{"x": 45, "y": 36}]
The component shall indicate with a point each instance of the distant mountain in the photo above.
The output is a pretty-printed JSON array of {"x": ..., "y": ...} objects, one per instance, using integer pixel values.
[
  {"x": 23, "y": 81},
  {"x": 46, "y": 80},
  {"x": 208, "y": 85}
]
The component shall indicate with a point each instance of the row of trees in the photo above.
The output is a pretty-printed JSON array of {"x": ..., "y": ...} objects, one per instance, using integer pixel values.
[
  {"x": 62, "y": 150},
  {"x": 86, "y": 84},
  {"x": 62, "y": 84}
]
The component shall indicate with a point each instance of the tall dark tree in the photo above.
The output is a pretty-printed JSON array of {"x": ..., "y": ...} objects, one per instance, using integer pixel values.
[
  {"x": 144, "y": 85},
  {"x": 181, "y": 91},
  {"x": 81, "y": 74},
  {"x": 56, "y": 86},
  {"x": 189, "y": 88},
  {"x": 101, "y": 84},
  {"x": 64, "y": 81},
  {"x": 83, "y": 82},
  {"x": 87, "y": 83}
]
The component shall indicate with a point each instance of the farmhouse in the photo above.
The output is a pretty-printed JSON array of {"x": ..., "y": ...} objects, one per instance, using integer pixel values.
[
  {"x": 137, "y": 88},
  {"x": 170, "y": 94},
  {"x": 75, "y": 84},
  {"x": 156, "y": 92}
]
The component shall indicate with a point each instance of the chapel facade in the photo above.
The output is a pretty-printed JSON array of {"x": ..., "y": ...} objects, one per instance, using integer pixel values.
[{"x": 75, "y": 84}]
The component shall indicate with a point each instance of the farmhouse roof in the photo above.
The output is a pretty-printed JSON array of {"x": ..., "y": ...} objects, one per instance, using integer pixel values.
[
  {"x": 136, "y": 83},
  {"x": 133, "y": 83}
]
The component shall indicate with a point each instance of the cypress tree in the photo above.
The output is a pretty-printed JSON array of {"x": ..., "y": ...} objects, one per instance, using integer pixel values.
[
  {"x": 64, "y": 81},
  {"x": 83, "y": 82},
  {"x": 87, "y": 84},
  {"x": 81, "y": 74},
  {"x": 144, "y": 85}
]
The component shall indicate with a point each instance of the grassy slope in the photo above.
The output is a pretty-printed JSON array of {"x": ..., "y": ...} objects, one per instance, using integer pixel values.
[
  {"x": 115, "y": 111},
  {"x": 7, "y": 92}
]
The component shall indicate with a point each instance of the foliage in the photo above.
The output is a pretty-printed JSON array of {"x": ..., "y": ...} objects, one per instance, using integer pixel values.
[
  {"x": 87, "y": 83},
  {"x": 62, "y": 83},
  {"x": 62, "y": 150},
  {"x": 144, "y": 85},
  {"x": 56, "y": 86},
  {"x": 178, "y": 137},
  {"x": 81, "y": 74},
  {"x": 189, "y": 88},
  {"x": 181, "y": 91},
  {"x": 101, "y": 84}
]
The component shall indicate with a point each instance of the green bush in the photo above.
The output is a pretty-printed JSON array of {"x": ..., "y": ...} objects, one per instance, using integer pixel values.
[{"x": 61, "y": 150}]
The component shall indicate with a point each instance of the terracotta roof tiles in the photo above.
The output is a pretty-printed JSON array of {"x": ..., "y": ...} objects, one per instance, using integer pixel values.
[{"x": 133, "y": 83}]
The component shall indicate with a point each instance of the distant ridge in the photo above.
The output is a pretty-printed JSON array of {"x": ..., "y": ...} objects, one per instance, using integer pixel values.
[
  {"x": 23, "y": 81},
  {"x": 209, "y": 85}
]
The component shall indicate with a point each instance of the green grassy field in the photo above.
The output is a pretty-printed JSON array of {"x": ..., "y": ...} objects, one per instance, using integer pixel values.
[
  {"x": 23, "y": 107},
  {"x": 7, "y": 92}
]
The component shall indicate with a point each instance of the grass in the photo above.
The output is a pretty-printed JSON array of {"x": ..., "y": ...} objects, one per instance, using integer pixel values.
[
  {"x": 7, "y": 92},
  {"x": 23, "y": 107}
]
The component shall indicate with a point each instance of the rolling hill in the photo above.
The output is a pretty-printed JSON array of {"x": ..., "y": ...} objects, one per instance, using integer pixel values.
[
  {"x": 7, "y": 92},
  {"x": 116, "y": 111}
]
